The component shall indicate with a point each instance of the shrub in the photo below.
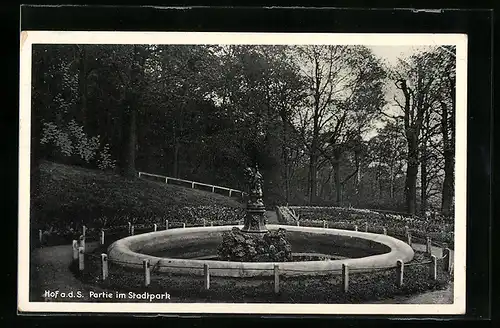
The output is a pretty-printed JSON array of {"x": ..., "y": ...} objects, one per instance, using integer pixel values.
[
  {"x": 245, "y": 247},
  {"x": 72, "y": 141}
]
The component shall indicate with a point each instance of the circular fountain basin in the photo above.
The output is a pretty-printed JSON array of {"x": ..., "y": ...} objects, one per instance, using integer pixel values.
[{"x": 174, "y": 251}]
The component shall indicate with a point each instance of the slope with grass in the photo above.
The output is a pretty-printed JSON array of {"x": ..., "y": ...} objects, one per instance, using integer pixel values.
[{"x": 65, "y": 197}]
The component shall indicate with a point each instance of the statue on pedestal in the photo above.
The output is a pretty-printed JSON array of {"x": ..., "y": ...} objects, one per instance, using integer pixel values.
[
  {"x": 254, "y": 243},
  {"x": 255, "y": 213}
]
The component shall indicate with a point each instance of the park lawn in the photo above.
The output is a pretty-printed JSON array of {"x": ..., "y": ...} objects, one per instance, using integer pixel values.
[{"x": 67, "y": 197}]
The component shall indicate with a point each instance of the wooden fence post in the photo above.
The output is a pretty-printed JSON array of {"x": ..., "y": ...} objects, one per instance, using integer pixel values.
[
  {"x": 155, "y": 227},
  {"x": 399, "y": 273},
  {"x": 445, "y": 245},
  {"x": 213, "y": 189},
  {"x": 166, "y": 224},
  {"x": 230, "y": 192},
  {"x": 192, "y": 185},
  {"x": 102, "y": 237},
  {"x": 408, "y": 238},
  {"x": 104, "y": 267},
  {"x": 206, "y": 275},
  {"x": 428, "y": 247},
  {"x": 345, "y": 278},
  {"x": 166, "y": 180},
  {"x": 132, "y": 230},
  {"x": 82, "y": 242},
  {"x": 276, "y": 279},
  {"x": 81, "y": 260},
  {"x": 75, "y": 250},
  {"x": 433, "y": 267},
  {"x": 448, "y": 264},
  {"x": 147, "y": 276}
]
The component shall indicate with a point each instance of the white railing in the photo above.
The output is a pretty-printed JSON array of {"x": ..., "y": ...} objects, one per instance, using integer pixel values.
[{"x": 193, "y": 184}]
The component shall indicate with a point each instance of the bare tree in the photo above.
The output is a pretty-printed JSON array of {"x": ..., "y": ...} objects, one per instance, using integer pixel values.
[
  {"x": 416, "y": 81},
  {"x": 343, "y": 89},
  {"x": 446, "y": 98}
]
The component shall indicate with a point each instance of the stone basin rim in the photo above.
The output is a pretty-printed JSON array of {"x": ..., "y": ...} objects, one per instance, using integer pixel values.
[{"x": 120, "y": 251}]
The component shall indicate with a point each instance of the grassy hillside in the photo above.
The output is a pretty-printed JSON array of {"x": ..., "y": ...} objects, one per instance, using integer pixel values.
[{"x": 71, "y": 196}]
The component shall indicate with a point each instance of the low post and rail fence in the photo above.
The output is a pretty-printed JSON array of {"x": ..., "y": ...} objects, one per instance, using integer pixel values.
[
  {"x": 80, "y": 253},
  {"x": 193, "y": 184}
]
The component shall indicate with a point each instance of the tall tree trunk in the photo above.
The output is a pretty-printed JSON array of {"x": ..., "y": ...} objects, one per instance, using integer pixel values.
[
  {"x": 357, "y": 183},
  {"x": 391, "y": 190},
  {"x": 338, "y": 184},
  {"x": 411, "y": 189},
  {"x": 177, "y": 146},
  {"x": 286, "y": 156},
  {"x": 448, "y": 184},
  {"x": 178, "y": 130},
  {"x": 423, "y": 183},
  {"x": 313, "y": 171},
  {"x": 287, "y": 182},
  {"x": 413, "y": 114},
  {"x": 411, "y": 176},
  {"x": 313, "y": 163},
  {"x": 130, "y": 143},
  {"x": 130, "y": 116},
  {"x": 337, "y": 181},
  {"x": 447, "y": 130},
  {"x": 82, "y": 85}
]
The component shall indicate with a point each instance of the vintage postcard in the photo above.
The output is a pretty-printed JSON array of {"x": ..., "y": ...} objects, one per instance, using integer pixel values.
[{"x": 267, "y": 173}]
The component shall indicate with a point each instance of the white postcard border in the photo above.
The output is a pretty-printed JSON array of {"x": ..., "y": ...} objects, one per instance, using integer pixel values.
[{"x": 28, "y": 38}]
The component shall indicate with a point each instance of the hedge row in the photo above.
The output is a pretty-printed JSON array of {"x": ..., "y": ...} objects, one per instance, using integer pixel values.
[
  {"x": 346, "y": 218},
  {"x": 60, "y": 231}
]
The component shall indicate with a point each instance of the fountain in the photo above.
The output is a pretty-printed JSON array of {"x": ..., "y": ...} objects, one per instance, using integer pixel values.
[
  {"x": 255, "y": 248},
  {"x": 254, "y": 242}
]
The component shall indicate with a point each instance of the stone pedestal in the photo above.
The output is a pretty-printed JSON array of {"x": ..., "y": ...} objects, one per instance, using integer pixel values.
[{"x": 255, "y": 219}]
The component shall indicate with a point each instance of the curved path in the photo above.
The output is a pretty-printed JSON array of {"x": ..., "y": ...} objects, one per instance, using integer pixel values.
[
  {"x": 52, "y": 273},
  {"x": 444, "y": 296}
]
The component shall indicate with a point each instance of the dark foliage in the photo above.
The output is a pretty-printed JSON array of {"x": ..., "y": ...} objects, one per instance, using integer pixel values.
[{"x": 271, "y": 246}]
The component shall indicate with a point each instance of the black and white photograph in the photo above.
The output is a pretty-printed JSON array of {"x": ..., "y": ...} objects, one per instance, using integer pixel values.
[{"x": 183, "y": 172}]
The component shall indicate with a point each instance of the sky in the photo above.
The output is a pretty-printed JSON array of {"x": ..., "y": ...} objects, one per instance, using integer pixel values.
[{"x": 390, "y": 54}]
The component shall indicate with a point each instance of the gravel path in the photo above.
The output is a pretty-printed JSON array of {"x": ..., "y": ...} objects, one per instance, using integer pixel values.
[
  {"x": 435, "y": 297},
  {"x": 50, "y": 272}
]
